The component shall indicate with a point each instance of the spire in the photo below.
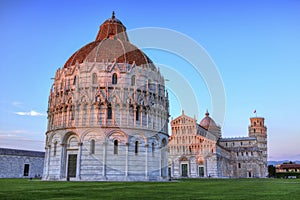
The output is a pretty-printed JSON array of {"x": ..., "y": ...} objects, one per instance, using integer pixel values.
[
  {"x": 207, "y": 113},
  {"x": 113, "y": 15}
]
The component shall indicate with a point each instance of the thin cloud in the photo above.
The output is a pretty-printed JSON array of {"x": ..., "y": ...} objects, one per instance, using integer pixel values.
[
  {"x": 31, "y": 113},
  {"x": 14, "y": 133},
  {"x": 22, "y": 143},
  {"x": 16, "y": 104}
]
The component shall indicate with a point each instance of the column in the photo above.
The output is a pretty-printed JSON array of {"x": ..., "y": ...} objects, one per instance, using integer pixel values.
[
  {"x": 78, "y": 161},
  {"x": 47, "y": 163},
  {"x": 126, "y": 163},
  {"x": 105, "y": 116},
  {"x": 127, "y": 115},
  {"x": 104, "y": 159},
  {"x": 147, "y": 118},
  {"x": 62, "y": 173},
  {"x": 134, "y": 116},
  {"x": 146, "y": 161},
  {"x": 121, "y": 114},
  {"x": 160, "y": 162},
  {"x": 141, "y": 116},
  {"x": 113, "y": 112}
]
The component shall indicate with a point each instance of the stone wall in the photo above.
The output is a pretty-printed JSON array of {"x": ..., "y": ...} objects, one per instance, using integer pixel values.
[{"x": 13, "y": 161}]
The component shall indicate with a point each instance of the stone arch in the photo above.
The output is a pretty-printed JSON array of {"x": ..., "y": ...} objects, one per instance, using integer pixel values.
[
  {"x": 183, "y": 158},
  {"x": 66, "y": 138},
  {"x": 54, "y": 137},
  {"x": 117, "y": 134},
  {"x": 70, "y": 154},
  {"x": 98, "y": 134},
  {"x": 138, "y": 137},
  {"x": 163, "y": 142},
  {"x": 154, "y": 139}
]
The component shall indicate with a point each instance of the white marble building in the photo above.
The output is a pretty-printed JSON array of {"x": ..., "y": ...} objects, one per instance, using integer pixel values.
[
  {"x": 198, "y": 150},
  {"x": 16, "y": 163},
  {"x": 108, "y": 113}
]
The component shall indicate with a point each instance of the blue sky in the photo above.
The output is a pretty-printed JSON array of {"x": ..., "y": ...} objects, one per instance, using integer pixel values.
[{"x": 254, "y": 44}]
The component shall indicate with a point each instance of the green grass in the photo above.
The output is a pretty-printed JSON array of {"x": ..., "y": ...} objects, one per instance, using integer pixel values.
[{"x": 253, "y": 189}]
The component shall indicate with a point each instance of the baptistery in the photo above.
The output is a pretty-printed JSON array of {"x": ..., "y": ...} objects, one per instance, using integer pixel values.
[{"x": 108, "y": 113}]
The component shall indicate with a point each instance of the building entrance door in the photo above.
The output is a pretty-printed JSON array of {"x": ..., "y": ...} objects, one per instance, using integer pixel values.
[
  {"x": 72, "y": 162},
  {"x": 201, "y": 171},
  {"x": 184, "y": 170}
]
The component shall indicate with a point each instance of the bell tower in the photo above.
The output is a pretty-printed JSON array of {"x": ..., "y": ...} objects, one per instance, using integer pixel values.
[
  {"x": 258, "y": 130},
  {"x": 257, "y": 127}
]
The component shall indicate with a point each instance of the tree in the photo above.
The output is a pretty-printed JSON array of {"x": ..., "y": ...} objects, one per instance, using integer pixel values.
[{"x": 271, "y": 171}]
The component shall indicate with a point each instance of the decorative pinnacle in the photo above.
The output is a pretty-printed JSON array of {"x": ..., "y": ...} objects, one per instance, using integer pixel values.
[
  {"x": 207, "y": 113},
  {"x": 113, "y": 15}
]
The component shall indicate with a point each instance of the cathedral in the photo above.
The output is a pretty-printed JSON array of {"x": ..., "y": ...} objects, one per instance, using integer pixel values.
[
  {"x": 198, "y": 150},
  {"x": 108, "y": 113}
]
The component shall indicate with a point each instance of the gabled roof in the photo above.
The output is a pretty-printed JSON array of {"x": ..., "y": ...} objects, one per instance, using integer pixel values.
[{"x": 183, "y": 119}]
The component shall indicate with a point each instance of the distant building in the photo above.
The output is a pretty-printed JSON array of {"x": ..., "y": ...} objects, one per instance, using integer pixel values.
[
  {"x": 288, "y": 170},
  {"x": 198, "y": 150},
  {"x": 16, "y": 163}
]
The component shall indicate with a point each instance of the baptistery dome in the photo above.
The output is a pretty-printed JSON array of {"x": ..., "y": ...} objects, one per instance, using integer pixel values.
[
  {"x": 111, "y": 45},
  {"x": 107, "y": 113}
]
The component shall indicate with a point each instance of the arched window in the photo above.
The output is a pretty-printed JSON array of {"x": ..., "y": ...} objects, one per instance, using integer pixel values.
[
  {"x": 164, "y": 142},
  {"x": 137, "y": 113},
  {"x": 68, "y": 87},
  {"x": 94, "y": 78},
  {"x": 133, "y": 80},
  {"x": 92, "y": 147},
  {"x": 73, "y": 113},
  {"x": 114, "y": 79},
  {"x": 109, "y": 112},
  {"x": 55, "y": 148},
  {"x": 74, "y": 80},
  {"x": 62, "y": 84},
  {"x": 239, "y": 165},
  {"x": 153, "y": 149},
  {"x": 254, "y": 123},
  {"x": 136, "y": 148},
  {"x": 116, "y": 144},
  {"x": 254, "y": 130}
]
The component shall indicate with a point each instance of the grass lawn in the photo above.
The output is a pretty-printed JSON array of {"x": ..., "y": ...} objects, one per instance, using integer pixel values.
[{"x": 253, "y": 189}]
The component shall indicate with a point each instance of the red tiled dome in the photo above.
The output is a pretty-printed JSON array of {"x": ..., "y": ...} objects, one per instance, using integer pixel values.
[
  {"x": 207, "y": 122},
  {"x": 111, "y": 45}
]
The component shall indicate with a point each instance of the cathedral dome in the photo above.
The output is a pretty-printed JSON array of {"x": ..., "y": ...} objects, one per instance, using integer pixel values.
[
  {"x": 111, "y": 45},
  {"x": 207, "y": 122}
]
